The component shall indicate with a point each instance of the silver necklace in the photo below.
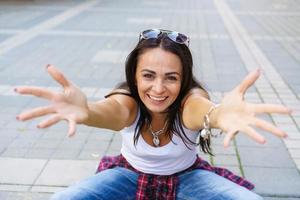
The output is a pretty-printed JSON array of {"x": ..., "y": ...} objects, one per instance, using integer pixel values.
[{"x": 155, "y": 134}]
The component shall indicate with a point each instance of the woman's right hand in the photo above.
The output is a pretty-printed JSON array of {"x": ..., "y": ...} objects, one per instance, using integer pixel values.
[{"x": 70, "y": 104}]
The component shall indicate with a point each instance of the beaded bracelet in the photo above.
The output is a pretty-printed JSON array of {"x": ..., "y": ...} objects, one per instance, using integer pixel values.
[{"x": 206, "y": 131}]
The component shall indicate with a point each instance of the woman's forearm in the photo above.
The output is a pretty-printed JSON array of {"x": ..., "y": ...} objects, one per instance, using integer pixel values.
[
  {"x": 108, "y": 113},
  {"x": 194, "y": 110}
]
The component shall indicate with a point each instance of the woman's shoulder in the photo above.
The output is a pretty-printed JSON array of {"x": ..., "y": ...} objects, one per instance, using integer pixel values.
[
  {"x": 195, "y": 91},
  {"x": 121, "y": 89},
  {"x": 124, "y": 98}
]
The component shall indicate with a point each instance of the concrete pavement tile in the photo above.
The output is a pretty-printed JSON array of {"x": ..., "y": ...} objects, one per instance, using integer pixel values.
[
  {"x": 297, "y": 120},
  {"x": 54, "y": 134},
  {"x": 25, "y": 196},
  {"x": 13, "y": 102},
  {"x": 295, "y": 153},
  {"x": 71, "y": 143},
  {"x": 274, "y": 181},
  {"x": 82, "y": 131},
  {"x": 63, "y": 153},
  {"x": 39, "y": 153},
  {"x": 23, "y": 143},
  {"x": 297, "y": 161},
  {"x": 99, "y": 145},
  {"x": 271, "y": 141},
  {"x": 30, "y": 133},
  {"x": 294, "y": 135},
  {"x": 292, "y": 143},
  {"x": 66, "y": 172},
  {"x": 5, "y": 141},
  {"x": 3, "y": 196},
  {"x": 101, "y": 135},
  {"x": 264, "y": 157},
  {"x": 20, "y": 171},
  {"x": 46, "y": 189},
  {"x": 14, "y": 152},
  {"x": 220, "y": 150},
  {"x": 47, "y": 143},
  {"x": 91, "y": 154},
  {"x": 288, "y": 127},
  {"x": 17, "y": 188},
  {"x": 226, "y": 160}
]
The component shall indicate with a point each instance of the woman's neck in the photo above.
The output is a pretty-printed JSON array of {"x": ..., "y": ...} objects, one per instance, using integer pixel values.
[{"x": 158, "y": 120}]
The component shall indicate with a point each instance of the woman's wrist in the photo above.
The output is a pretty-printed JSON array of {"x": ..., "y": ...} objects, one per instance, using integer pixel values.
[{"x": 212, "y": 115}]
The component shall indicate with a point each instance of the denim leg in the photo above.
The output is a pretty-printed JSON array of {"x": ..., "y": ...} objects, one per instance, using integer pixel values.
[
  {"x": 206, "y": 185},
  {"x": 116, "y": 183}
]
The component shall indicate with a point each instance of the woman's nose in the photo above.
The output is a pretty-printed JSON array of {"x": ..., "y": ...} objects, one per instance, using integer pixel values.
[{"x": 158, "y": 86}]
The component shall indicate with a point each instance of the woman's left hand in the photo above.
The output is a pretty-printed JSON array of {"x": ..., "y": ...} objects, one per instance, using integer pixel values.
[{"x": 234, "y": 114}]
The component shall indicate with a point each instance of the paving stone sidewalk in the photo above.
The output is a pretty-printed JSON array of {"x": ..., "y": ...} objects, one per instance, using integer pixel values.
[{"x": 89, "y": 42}]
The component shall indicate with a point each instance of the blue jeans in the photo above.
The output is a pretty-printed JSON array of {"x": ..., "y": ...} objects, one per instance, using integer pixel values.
[{"x": 121, "y": 183}]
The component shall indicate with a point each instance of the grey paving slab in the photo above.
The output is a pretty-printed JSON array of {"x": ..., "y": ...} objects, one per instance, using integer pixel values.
[
  {"x": 23, "y": 17},
  {"x": 276, "y": 181},
  {"x": 70, "y": 171},
  {"x": 23, "y": 196},
  {"x": 20, "y": 171},
  {"x": 39, "y": 153},
  {"x": 3, "y": 37},
  {"x": 226, "y": 160},
  {"x": 264, "y": 157}
]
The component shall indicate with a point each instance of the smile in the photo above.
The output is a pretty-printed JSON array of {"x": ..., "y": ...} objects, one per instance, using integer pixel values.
[{"x": 157, "y": 98}]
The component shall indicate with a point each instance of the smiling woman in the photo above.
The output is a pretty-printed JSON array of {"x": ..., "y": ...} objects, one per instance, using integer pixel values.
[
  {"x": 159, "y": 111},
  {"x": 158, "y": 79}
]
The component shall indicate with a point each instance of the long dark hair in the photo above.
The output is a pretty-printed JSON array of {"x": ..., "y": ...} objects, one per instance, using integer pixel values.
[{"x": 188, "y": 82}]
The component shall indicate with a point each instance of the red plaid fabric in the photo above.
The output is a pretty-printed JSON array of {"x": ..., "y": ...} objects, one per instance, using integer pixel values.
[{"x": 159, "y": 187}]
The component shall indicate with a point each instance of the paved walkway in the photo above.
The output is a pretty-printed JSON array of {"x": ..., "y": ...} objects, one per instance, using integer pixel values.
[{"x": 89, "y": 41}]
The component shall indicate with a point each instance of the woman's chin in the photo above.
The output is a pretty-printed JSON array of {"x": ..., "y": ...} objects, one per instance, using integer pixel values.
[{"x": 156, "y": 109}]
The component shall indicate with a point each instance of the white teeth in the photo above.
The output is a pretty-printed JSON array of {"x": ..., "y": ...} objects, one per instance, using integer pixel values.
[{"x": 157, "y": 98}]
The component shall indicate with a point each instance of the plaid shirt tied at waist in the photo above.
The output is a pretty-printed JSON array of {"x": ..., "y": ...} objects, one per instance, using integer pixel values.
[{"x": 160, "y": 187}]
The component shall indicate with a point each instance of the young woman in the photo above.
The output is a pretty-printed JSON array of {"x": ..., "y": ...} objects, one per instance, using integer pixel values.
[{"x": 160, "y": 111}]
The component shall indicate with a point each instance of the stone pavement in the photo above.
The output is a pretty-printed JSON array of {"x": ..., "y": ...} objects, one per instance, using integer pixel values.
[{"x": 89, "y": 41}]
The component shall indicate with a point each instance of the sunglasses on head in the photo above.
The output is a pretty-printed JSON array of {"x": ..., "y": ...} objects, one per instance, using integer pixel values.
[{"x": 172, "y": 35}]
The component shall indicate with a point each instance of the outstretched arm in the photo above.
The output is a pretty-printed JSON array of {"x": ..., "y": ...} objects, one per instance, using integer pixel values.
[
  {"x": 71, "y": 104},
  {"x": 234, "y": 114}
]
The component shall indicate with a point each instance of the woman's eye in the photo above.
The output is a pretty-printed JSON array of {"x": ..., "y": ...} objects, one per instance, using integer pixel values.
[
  {"x": 172, "y": 78},
  {"x": 148, "y": 75}
]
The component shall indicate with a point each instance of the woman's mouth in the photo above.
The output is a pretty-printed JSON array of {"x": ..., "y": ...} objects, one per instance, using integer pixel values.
[{"x": 156, "y": 98}]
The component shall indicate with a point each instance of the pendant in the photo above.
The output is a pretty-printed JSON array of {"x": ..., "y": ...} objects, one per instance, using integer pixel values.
[
  {"x": 204, "y": 133},
  {"x": 156, "y": 141}
]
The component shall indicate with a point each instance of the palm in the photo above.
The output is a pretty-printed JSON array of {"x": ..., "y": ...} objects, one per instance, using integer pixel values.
[
  {"x": 70, "y": 104},
  {"x": 237, "y": 115}
]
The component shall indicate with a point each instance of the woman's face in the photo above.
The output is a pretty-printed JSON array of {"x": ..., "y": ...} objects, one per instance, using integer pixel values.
[{"x": 158, "y": 79}]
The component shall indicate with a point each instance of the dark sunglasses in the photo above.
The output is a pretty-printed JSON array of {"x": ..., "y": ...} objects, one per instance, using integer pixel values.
[{"x": 172, "y": 35}]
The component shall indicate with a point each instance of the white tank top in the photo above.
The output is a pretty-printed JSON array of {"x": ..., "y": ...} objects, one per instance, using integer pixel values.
[{"x": 166, "y": 160}]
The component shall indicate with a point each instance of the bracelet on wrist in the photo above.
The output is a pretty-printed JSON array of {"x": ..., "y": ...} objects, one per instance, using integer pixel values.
[{"x": 206, "y": 132}]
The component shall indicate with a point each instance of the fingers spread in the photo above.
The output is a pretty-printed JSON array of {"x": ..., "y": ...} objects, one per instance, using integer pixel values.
[
  {"x": 37, "y": 112},
  {"x": 268, "y": 127},
  {"x": 248, "y": 81},
  {"x": 228, "y": 137},
  {"x": 49, "y": 122},
  {"x": 36, "y": 91},
  {"x": 270, "y": 108},
  {"x": 254, "y": 135},
  {"x": 72, "y": 128},
  {"x": 58, "y": 76}
]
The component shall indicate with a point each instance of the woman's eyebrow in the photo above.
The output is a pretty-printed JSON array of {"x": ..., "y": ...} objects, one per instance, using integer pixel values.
[
  {"x": 148, "y": 70},
  {"x": 173, "y": 73},
  {"x": 167, "y": 74}
]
